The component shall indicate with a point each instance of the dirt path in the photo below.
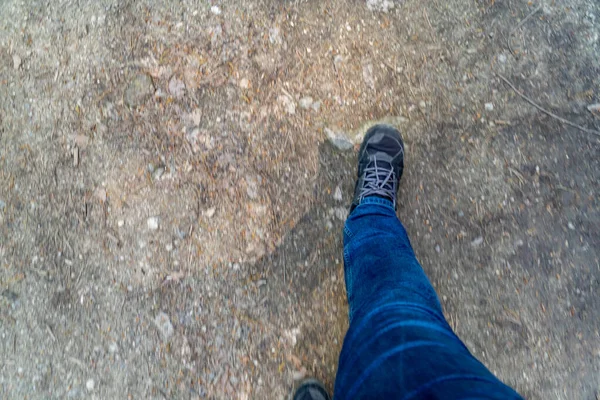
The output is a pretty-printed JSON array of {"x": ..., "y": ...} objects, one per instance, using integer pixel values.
[{"x": 171, "y": 208}]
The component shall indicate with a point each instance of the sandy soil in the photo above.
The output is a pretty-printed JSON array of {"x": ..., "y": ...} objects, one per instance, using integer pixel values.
[{"x": 171, "y": 206}]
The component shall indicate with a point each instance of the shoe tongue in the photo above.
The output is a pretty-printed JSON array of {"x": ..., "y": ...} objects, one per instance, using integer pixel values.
[{"x": 383, "y": 164}]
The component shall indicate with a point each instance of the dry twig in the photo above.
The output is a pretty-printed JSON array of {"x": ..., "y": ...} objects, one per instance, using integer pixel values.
[
  {"x": 549, "y": 113},
  {"x": 531, "y": 14},
  {"x": 520, "y": 24}
]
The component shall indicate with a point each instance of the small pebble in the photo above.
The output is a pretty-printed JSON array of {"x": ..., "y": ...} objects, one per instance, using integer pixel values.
[
  {"x": 337, "y": 195},
  {"x": 74, "y": 393},
  {"x": 16, "y": 62},
  {"x": 306, "y": 102},
  {"x": 152, "y": 223},
  {"x": 216, "y": 10},
  {"x": 489, "y": 107},
  {"x": 120, "y": 223},
  {"x": 438, "y": 248},
  {"x": 274, "y": 36},
  {"x": 368, "y": 75},
  {"x": 196, "y": 116},
  {"x": 158, "y": 173},
  {"x": 339, "y": 140},
  {"x": 210, "y": 212},
  {"x": 244, "y": 83},
  {"x": 477, "y": 241},
  {"x": 502, "y": 58},
  {"x": 340, "y": 213},
  {"x": 316, "y": 106},
  {"x": 380, "y": 5},
  {"x": 90, "y": 385},
  {"x": 288, "y": 104},
  {"x": 113, "y": 348},
  {"x": 176, "y": 87},
  {"x": 299, "y": 375},
  {"x": 571, "y": 226},
  {"x": 163, "y": 323},
  {"x": 252, "y": 188}
]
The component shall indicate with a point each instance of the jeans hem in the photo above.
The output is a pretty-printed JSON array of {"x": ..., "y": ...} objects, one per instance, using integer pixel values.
[{"x": 376, "y": 200}]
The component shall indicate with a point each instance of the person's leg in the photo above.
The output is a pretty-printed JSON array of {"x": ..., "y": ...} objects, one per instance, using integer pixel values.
[{"x": 399, "y": 344}]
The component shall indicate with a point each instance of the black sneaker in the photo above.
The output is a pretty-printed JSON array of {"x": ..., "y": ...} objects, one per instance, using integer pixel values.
[
  {"x": 380, "y": 165},
  {"x": 311, "y": 389}
]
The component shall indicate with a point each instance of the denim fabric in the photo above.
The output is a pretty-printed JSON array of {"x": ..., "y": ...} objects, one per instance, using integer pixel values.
[{"x": 399, "y": 345}]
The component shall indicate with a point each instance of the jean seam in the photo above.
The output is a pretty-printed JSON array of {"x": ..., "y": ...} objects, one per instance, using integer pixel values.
[
  {"x": 348, "y": 232},
  {"x": 348, "y": 274}
]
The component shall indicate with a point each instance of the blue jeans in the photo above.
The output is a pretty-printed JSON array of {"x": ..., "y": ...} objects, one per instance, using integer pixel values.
[{"x": 399, "y": 345}]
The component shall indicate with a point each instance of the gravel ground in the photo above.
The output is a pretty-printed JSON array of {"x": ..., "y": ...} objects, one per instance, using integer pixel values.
[{"x": 174, "y": 178}]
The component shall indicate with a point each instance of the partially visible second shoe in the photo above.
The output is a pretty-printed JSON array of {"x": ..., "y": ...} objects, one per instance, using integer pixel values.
[
  {"x": 380, "y": 165},
  {"x": 311, "y": 389}
]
